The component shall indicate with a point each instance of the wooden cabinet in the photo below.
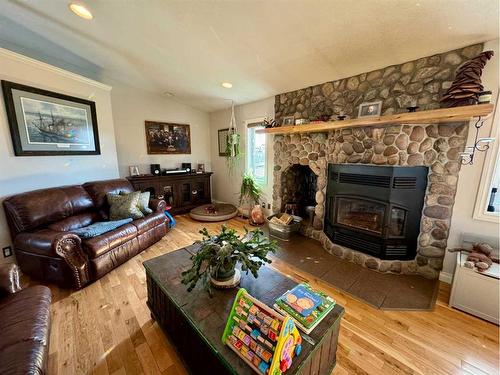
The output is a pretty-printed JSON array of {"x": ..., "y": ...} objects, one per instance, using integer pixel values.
[{"x": 181, "y": 191}]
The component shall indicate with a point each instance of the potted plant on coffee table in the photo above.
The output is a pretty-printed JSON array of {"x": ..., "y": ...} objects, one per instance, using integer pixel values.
[{"x": 216, "y": 260}]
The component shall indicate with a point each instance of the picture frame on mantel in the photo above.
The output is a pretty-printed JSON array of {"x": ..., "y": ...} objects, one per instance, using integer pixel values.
[
  {"x": 47, "y": 123},
  {"x": 167, "y": 138},
  {"x": 372, "y": 109}
]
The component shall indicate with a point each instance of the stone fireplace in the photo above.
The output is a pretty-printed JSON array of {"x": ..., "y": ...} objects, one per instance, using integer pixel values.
[
  {"x": 435, "y": 146},
  {"x": 430, "y": 145}
]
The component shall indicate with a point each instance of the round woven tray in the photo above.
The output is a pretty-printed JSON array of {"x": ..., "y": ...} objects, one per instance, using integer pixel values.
[{"x": 214, "y": 212}]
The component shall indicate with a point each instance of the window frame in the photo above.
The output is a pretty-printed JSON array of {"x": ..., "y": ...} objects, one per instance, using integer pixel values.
[
  {"x": 491, "y": 164},
  {"x": 256, "y": 123}
]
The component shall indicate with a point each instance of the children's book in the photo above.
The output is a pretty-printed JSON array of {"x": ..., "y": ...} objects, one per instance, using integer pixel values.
[
  {"x": 302, "y": 299},
  {"x": 307, "y": 315}
]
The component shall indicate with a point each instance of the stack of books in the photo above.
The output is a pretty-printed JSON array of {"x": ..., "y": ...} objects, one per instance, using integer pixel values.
[{"x": 307, "y": 307}]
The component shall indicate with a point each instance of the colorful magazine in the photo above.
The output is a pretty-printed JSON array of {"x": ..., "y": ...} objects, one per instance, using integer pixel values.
[{"x": 315, "y": 316}]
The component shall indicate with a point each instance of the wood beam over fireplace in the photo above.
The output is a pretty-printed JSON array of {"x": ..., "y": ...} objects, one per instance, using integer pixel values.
[{"x": 442, "y": 115}]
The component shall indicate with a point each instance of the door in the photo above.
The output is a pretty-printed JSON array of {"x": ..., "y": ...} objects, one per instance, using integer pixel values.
[{"x": 183, "y": 193}]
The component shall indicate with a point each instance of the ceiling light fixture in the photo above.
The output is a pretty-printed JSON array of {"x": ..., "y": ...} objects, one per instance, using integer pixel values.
[
  {"x": 227, "y": 85},
  {"x": 81, "y": 10}
]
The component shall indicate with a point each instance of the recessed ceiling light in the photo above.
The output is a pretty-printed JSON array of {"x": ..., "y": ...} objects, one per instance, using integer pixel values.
[
  {"x": 227, "y": 85},
  {"x": 81, "y": 10}
]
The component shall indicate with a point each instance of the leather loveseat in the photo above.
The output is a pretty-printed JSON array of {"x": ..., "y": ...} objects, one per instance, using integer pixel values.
[
  {"x": 25, "y": 325},
  {"x": 41, "y": 222}
]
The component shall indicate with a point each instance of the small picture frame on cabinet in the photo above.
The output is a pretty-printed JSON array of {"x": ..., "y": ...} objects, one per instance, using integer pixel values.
[{"x": 134, "y": 170}]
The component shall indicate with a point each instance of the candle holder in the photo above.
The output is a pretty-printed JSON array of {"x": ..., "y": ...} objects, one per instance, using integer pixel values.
[
  {"x": 480, "y": 144},
  {"x": 412, "y": 108}
]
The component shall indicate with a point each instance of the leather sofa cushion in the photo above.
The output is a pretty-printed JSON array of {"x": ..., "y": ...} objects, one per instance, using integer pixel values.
[
  {"x": 25, "y": 317},
  {"x": 28, "y": 211},
  {"x": 149, "y": 222},
  {"x": 101, "y": 265},
  {"x": 99, "y": 245},
  {"x": 28, "y": 357},
  {"x": 75, "y": 222}
]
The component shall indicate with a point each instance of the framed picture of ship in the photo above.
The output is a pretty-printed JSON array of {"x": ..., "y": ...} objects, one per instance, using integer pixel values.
[
  {"x": 44, "y": 123},
  {"x": 168, "y": 138}
]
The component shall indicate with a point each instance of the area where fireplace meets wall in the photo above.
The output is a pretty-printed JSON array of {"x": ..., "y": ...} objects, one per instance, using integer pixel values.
[{"x": 434, "y": 145}]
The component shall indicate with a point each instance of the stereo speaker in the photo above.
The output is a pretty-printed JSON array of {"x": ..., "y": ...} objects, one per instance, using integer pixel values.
[
  {"x": 186, "y": 166},
  {"x": 155, "y": 169}
]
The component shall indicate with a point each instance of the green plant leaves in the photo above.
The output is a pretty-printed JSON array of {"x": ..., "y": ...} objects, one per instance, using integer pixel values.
[
  {"x": 250, "y": 189},
  {"x": 225, "y": 250}
]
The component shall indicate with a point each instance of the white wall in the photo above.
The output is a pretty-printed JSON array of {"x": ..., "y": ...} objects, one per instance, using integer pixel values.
[
  {"x": 24, "y": 173},
  {"x": 469, "y": 178},
  {"x": 225, "y": 187},
  {"x": 131, "y": 107}
]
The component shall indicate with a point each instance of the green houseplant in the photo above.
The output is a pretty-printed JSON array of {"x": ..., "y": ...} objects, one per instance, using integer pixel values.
[
  {"x": 233, "y": 151},
  {"x": 219, "y": 254},
  {"x": 250, "y": 190},
  {"x": 250, "y": 194}
]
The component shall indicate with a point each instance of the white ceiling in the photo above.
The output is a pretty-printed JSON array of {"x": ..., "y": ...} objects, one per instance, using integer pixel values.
[{"x": 264, "y": 48}]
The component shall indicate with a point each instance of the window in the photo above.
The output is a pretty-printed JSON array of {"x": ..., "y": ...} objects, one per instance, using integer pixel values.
[
  {"x": 487, "y": 205},
  {"x": 256, "y": 152},
  {"x": 493, "y": 204}
]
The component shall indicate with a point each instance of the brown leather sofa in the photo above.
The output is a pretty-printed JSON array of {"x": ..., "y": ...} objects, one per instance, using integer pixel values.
[
  {"x": 25, "y": 325},
  {"x": 41, "y": 221}
]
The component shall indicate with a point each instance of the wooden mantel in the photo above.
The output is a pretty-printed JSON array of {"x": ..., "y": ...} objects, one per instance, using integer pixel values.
[{"x": 454, "y": 114}]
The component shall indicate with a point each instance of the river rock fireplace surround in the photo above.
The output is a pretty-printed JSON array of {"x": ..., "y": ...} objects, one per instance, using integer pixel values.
[{"x": 434, "y": 146}]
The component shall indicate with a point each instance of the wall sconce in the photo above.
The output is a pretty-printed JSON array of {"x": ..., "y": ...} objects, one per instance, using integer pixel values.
[{"x": 480, "y": 144}]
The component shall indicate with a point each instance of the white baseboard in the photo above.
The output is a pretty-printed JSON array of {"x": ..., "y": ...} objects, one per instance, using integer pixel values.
[{"x": 446, "y": 277}]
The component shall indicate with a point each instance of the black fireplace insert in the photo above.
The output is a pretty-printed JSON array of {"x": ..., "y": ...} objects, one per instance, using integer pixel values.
[{"x": 375, "y": 210}]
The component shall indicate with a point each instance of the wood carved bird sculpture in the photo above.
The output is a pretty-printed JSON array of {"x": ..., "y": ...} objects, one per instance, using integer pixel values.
[{"x": 467, "y": 85}]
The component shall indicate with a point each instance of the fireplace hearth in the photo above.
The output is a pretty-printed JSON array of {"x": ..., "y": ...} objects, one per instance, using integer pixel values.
[{"x": 375, "y": 209}]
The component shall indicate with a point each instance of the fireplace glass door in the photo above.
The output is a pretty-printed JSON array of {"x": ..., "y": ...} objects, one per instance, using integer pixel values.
[
  {"x": 361, "y": 214},
  {"x": 397, "y": 222}
]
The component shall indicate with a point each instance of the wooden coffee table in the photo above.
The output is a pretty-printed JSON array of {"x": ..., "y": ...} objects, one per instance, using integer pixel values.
[{"x": 194, "y": 322}]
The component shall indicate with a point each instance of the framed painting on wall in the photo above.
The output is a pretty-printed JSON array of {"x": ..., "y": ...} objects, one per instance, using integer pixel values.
[
  {"x": 45, "y": 123},
  {"x": 168, "y": 138},
  {"x": 222, "y": 138}
]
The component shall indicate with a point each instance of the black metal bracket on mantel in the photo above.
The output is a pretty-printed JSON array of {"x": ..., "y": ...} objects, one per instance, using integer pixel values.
[{"x": 480, "y": 144}]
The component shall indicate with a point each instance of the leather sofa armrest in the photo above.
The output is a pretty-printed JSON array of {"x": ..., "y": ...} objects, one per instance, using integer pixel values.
[
  {"x": 9, "y": 278},
  {"x": 157, "y": 205},
  {"x": 64, "y": 244}
]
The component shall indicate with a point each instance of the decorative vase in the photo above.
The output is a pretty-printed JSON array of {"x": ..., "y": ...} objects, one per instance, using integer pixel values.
[
  {"x": 257, "y": 215},
  {"x": 245, "y": 208}
]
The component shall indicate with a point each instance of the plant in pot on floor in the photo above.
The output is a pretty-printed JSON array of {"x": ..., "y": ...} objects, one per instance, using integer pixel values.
[
  {"x": 216, "y": 260},
  {"x": 250, "y": 194}
]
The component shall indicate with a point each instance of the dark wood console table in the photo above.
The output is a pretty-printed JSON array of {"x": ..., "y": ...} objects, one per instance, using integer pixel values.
[
  {"x": 194, "y": 322},
  {"x": 182, "y": 192}
]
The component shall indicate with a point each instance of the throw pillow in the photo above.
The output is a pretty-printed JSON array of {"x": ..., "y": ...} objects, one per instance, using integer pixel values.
[
  {"x": 124, "y": 206},
  {"x": 143, "y": 202}
]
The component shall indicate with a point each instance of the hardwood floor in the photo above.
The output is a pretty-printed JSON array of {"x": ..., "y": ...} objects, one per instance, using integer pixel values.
[{"x": 106, "y": 328}]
